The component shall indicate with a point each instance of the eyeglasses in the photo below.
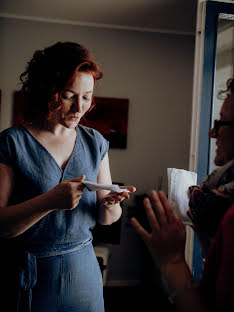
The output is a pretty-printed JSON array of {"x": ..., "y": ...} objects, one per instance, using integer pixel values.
[{"x": 220, "y": 123}]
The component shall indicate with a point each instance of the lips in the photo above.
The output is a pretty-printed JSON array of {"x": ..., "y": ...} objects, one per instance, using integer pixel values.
[
  {"x": 73, "y": 117},
  {"x": 219, "y": 149}
]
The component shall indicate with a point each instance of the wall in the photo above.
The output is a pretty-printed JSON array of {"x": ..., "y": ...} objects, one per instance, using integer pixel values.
[{"x": 154, "y": 71}]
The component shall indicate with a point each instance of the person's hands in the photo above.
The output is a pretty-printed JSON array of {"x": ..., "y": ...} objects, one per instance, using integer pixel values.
[
  {"x": 67, "y": 194},
  {"x": 166, "y": 242},
  {"x": 113, "y": 198}
]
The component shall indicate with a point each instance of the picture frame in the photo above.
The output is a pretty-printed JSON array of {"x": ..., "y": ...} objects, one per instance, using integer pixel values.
[{"x": 110, "y": 117}]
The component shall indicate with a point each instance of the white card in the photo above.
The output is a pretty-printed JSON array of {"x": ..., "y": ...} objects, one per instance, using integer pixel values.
[{"x": 98, "y": 187}]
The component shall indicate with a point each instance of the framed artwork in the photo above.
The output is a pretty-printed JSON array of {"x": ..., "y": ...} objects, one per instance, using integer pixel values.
[
  {"x": 18, "y": 108},
  {"x": 109, "y": 117}
]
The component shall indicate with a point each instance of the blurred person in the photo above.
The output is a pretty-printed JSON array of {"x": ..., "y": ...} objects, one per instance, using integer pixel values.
[{"x": 212, "y": 213}]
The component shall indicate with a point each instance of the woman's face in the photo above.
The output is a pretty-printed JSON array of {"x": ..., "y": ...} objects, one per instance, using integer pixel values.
[
  {"x": 76, "y": 100},
  {"x": 225, "y": 136}
]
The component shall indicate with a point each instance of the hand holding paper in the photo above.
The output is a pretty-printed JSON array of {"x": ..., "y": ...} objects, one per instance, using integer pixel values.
[
  {"x": 98, "y": 187},
  {"x": 179, "y": 180}
]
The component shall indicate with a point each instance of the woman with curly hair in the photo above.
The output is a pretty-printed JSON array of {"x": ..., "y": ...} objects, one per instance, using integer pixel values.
[{"x": 46, "y": 213}]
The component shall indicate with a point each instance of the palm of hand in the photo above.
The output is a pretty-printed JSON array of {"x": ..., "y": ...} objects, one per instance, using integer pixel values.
[{"x": 166, "y": 244}]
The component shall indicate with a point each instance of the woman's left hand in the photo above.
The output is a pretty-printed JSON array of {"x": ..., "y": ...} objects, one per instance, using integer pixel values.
[{"x": 113, "y": 198}]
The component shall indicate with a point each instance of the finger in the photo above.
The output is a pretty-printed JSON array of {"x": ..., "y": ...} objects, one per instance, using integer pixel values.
[
  {"x": 124, "y": 195},
  {"x": 108, "y": 200},
  {"x": 167, "y": 207},
  {"x": 82, "y": 178},
  {"x": 178, "y": 221},
  {"x": 158, "y": 208},
  {"x": 140, "y": 230},
  {"x": 79, "y": 192},
  {"x": 104, "y": 201},
  {"x": 150, "y": 214},
  {"x": 130, "y": 188},
  {"x": 119, "y": 198},
  {"x": 78, "y": 179},
  {"x": 78, "y": 198},
  {"x": 115, "y": 200},
  {"x": 80, "y": 187}
]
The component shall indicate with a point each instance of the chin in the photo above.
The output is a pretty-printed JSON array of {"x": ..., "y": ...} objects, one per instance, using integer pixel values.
[
  {"x": 71, "y": 124},
  {"x": 219, "y": 161}
]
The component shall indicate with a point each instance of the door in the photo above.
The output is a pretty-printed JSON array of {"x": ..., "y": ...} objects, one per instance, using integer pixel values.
[{"x": 213, "y": 66}]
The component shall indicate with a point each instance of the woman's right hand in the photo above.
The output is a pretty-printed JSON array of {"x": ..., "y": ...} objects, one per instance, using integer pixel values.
[
  {"x": 67, "y": 194},
  {"x": 16, "y": 219}
]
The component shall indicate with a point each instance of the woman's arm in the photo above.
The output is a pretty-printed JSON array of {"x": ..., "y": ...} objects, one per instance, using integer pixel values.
[
  {"x": 16, "y": 219},
  {"x": 166, "y": 244},
  {"x": 109, "y": 209},
  {"x": 222, "y": 266}
]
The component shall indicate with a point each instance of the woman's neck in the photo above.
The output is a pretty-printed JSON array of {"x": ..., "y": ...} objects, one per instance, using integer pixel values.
[{"x": 51, "y": 127}]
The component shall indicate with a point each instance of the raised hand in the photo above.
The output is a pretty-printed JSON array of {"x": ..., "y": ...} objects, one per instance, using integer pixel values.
[{"x": 166, "y": 242}]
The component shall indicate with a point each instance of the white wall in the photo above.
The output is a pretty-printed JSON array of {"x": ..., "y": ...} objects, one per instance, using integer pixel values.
[{"x": 154, "y": 71}]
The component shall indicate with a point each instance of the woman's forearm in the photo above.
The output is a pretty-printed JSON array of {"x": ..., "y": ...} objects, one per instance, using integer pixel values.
[
  {"x": 108, "y": 214},
  {"x": 16, "y": 219}
]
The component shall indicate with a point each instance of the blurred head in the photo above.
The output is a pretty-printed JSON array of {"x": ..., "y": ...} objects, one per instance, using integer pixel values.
[
  {"x": 49, "y": 73},
  {"x": 223, "y": 130}
]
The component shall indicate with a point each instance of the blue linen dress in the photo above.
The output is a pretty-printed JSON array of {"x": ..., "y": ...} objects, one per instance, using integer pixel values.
[{"x": 52, "y": 266}]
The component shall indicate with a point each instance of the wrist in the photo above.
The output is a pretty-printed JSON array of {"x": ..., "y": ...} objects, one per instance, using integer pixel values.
[
  {"x": 109, "y": 213},
  {"x": 177, "y": 274},
  {"x": 47, "y": 201},
  {"x": 180, "y": 291},
  {"x": 108, "y": 206},
  {"x": 176, "y": 263}
]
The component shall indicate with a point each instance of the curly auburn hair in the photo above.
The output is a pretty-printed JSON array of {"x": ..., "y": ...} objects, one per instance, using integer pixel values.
[
  {"x": 47, "y": 74},
  {"x": 230, "y": 89}
]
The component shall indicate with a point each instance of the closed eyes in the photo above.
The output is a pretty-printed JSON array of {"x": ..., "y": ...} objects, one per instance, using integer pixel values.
[{"x": 71, "y": 96}]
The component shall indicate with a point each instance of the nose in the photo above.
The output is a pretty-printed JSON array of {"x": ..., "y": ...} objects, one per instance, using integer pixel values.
[
  {"x": 77, "y": 105},
  {"x": 212, "y": 133}
]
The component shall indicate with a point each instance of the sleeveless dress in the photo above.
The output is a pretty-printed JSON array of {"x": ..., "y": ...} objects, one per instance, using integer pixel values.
[{"x": 52, "y": 266}]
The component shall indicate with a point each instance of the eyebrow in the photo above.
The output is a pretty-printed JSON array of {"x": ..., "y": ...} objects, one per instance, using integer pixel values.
[{"x": 69, "y": 90}]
